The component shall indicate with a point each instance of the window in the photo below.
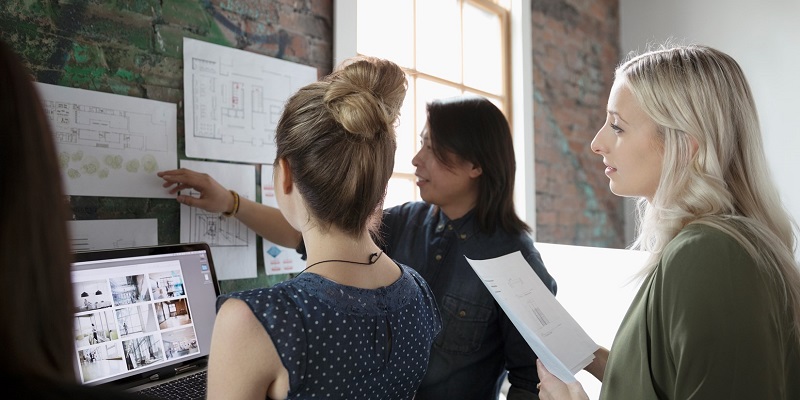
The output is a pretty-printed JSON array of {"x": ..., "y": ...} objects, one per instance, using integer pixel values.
[{"x": 446, "y": 47}]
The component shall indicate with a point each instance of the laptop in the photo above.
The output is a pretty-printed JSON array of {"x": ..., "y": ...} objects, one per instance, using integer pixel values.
[{"x": 144, "y": 317}]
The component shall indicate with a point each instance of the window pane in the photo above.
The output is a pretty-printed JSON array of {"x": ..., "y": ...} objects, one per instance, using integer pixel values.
[
  {"x": 440, "y": 63},
  {"x": 497, "y": 102},
  {"x": 385, "y": 29},
  {"x": 438, "y": 38},
  {"x": 399, "y": 191},
  {"x": 483, "y": 52},
  {"x": 427, "y": 91},
  {"x": 407, "y": 135}
]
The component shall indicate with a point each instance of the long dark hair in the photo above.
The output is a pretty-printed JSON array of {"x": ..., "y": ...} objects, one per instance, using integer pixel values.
[
  {"x": 475, "y": 130},
  {"x": 35, "y": 310}
]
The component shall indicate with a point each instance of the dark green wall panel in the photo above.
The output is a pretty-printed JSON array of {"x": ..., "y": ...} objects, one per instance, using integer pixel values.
[{"x": 134, "y": 48}]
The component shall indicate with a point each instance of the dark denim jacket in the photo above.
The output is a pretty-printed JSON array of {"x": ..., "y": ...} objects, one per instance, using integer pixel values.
[{"x": 478, "y": 342}]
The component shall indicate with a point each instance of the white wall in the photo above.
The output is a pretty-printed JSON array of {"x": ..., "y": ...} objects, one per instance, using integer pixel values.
[
  {"x": 764, "y": 37},
  {"x": 596, "y": 286}
]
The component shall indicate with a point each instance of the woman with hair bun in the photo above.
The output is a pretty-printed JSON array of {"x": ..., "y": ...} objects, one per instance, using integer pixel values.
[
  {"x": 355, "y": 323},
  {"x": 465, "y": 173}
]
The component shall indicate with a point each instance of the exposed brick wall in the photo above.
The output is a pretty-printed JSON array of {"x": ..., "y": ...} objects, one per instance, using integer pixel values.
[
  {"x": 133, "y": 47},
  {"x": 575, "y": 49}
]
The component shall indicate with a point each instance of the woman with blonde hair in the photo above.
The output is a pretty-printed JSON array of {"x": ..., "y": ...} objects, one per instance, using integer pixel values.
[{"x": 718, "y": 313}]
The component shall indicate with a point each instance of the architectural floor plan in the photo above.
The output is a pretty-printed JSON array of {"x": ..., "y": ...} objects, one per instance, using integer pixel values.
[
  {"x": 233, "y": 100},
  {"x": 111, "y": 145},
  {"x": 232, "y": 243}
]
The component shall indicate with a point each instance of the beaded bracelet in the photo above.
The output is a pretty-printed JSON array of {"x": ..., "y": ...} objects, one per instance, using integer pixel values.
[{"x": 235, "y": 205}]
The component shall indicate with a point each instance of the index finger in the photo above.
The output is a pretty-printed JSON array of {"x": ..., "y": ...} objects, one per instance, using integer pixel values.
[
  {"x": 541, "y": 370},
  {"x": 170, "y": 172},
  {"x": 178, "y": 177}
]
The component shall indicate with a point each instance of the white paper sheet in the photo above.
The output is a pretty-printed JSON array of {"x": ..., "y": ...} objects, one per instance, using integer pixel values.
[
  {"x": 561, "y": 344},
  {"x": 112, "y": 233},
  {"x": 233, "y": 100},
  {"x": 277, "y": 259},
  {"x": 233, "y": 245},
  {"x": 111, "y": 145},
  {"x": 596, "y": 286}
]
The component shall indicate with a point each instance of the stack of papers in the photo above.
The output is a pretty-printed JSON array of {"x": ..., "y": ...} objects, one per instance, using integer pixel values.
[{"x": 555, "y": 337}]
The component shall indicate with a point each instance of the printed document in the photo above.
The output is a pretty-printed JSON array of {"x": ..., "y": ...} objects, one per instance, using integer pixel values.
[
  {"x": 558, "y": 340},
  {"x": 232, "y": 243},
  {"x": 234, "y": 99},
  {"x": 111, "y": 145}
]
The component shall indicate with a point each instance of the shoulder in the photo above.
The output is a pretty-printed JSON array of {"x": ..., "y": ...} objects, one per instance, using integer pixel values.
[
  {"x": 286, "y": 297},
  {"x": 237, "y": 330},
  {"x": 235, "y": 313},
  {"x": 279, "y": 292},
  {"x": 704, "y": 249},
  {"x": 410, "y": 210},
  {"x": 505, "y": 241},
  {"x": 698, "y": 234},
  {"x": 501, "y": 242},
  {"x": 704, "y": 265},
  {"x": 423, "y": 292},
  {"x": 243, "y": 358},
  {"x": 415, "y": 276}
]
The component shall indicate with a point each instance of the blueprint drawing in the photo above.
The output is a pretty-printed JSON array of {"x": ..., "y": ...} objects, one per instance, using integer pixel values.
[
  {"x": 111, "y": 145},
  {"x": 234, "y": 99},
  {"x": 232, "y": 243}
]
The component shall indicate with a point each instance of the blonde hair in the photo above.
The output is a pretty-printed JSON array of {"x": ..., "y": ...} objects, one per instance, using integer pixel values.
[
  {"x": 699, "y": 97},
  {"x": 338, "y": 136}
]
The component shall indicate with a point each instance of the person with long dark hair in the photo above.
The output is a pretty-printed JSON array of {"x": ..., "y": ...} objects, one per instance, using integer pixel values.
[
  {"x": 465, "y": 173},
  {"x": 38, "y": 358},
  {"x": 465, "y": 170}
]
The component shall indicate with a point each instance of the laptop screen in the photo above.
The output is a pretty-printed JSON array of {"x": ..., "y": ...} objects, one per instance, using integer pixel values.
[{"x": 142, "y": 313}]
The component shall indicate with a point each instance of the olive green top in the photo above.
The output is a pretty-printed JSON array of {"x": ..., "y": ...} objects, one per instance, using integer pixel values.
[{"x": 705, "y": 324}]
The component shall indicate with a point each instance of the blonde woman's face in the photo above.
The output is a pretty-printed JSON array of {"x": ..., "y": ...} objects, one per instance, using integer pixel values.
[{"x": 629, "y": 145}]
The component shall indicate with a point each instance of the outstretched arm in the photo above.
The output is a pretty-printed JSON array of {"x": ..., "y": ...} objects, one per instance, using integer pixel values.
[{"x": 268, "y": 222}]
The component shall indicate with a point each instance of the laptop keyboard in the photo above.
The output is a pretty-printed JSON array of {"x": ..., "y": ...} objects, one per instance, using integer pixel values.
[{"x": 189, "y": 387}]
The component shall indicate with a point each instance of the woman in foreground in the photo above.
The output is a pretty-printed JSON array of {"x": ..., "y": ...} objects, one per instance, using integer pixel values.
[
  {"x": 355, "y": 323},
  {"x": 718, "y": 313}
]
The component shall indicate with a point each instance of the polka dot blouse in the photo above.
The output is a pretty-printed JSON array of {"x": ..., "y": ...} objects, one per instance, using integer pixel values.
[{"x": 343, "y": 342}]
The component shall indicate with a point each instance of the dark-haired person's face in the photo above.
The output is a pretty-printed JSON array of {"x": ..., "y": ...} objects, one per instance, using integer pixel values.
[{"x": 453, "y": 188}]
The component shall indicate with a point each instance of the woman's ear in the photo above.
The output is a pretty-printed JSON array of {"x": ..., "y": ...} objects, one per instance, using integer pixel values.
[
  {"x": 476, "y": 171},
  {"x": 285, "y": 173}
]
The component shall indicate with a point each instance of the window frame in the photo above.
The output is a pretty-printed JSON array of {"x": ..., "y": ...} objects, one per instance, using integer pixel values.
[{"x": 517, "y": 84}]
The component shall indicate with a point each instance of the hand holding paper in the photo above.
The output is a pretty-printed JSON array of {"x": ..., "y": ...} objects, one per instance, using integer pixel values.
[{"x": 556, "y": 338}]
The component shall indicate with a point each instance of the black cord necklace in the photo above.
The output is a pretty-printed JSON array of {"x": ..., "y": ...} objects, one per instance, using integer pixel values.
[{"x": 373, "y": 258}]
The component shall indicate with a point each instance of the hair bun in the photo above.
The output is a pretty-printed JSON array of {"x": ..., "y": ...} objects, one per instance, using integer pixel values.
[{"x": 365, "y": 95}]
